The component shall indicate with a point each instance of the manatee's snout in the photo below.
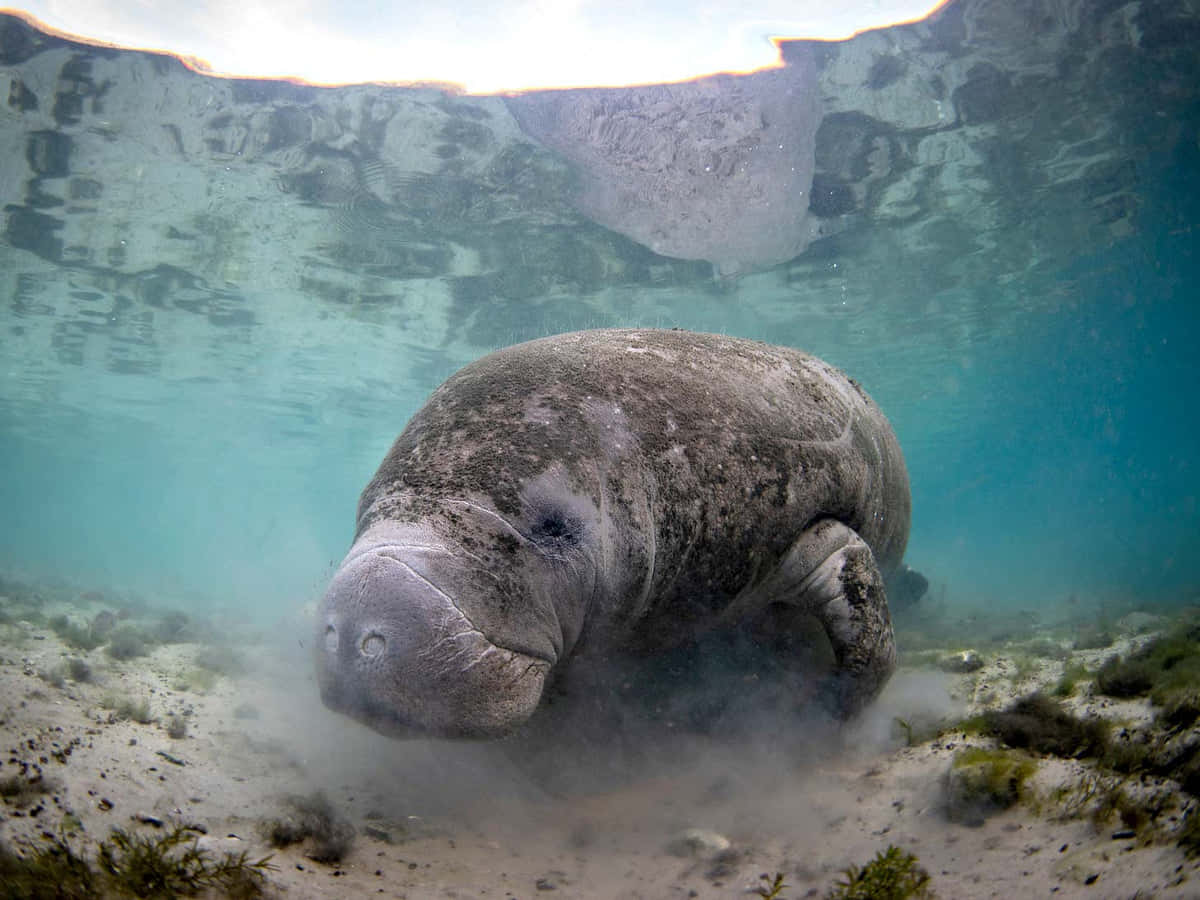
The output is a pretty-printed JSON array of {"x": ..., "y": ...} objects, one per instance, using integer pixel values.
[{"x": 395, "y": 652}]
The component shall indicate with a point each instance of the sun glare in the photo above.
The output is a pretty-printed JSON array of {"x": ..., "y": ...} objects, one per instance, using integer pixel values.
[{"x": 477, "y": 47}]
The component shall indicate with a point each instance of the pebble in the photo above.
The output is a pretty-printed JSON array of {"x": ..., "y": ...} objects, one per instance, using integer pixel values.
[
  {"x": 174, "y": 760},
  {"x": 967, "y": 661},
  {"x": 697, "y": 842},
  {"x": 551, "y": 881}
]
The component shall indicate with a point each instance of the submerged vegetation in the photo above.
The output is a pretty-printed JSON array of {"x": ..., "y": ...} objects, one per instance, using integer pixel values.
[
  {"x": 21, "y": 790},
  {"x": 51, "y": 872},
  {"x": 126, "y": 708},
  {"x": 1041, "y": 724},
  {"x": 78, "y": 637},
  {"x": 1164, "y": 668},
  {"x": 1189, "y": 833},
  {"x": 1181, "y": 709},
  {"x": 201, "y": 681},
  {"x": 127, "y": 642},
  {"x": 311, "y": 819},
  {"x": 892, "y": 875},
  {"x": 78, "y": 670},
  {"x": 771, "y": 888},
  {"x": 127, "y": 864},
  {"x": 173, "y": 627},
  {"x": 1094, "y": 637},
  {"x": 1024, "y": 667},
  {"x": 1045, "y": 648},
  {"x": 1135, "y": 770},
  {"x": 73, "y": 668},
  {"x": 983, "y": 781},
  {"x": 1072, "y": 674},
  {"x": 173, "y": 863}
]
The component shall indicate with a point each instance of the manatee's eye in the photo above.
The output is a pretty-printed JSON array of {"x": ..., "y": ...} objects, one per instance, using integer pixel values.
[{"x": 555, "y": 528}]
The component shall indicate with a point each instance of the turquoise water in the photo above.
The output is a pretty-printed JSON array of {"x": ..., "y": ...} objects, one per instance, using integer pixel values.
[{"x": 207, "y": 441}]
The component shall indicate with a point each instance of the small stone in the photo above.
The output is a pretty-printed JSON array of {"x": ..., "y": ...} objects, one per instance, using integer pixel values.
[
  {"x": 966, "y": 661},
  {"x": 551, "y": 881},
  {"x": 1124, "y": 835},
  {"x": 724, "y": 865},
  {"x": 697, "y": 842}
]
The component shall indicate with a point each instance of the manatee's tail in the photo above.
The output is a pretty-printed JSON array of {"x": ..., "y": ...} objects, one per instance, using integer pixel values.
[{"x": 905, "y": 588}]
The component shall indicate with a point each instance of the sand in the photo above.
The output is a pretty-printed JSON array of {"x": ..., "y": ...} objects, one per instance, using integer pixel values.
[{"x": 434, "y": 819}]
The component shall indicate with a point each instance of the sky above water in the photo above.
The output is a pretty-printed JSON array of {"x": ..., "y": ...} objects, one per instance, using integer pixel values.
[{"x": 483, "y": 47}]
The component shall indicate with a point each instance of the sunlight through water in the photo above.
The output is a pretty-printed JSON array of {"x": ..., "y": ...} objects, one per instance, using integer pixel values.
[{"x": 480, "y": 47}]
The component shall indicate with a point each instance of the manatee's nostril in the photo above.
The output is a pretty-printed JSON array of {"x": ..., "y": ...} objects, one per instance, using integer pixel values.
[
  {"x": 373, "y": 644},
  {"x": 331, "y": 639}
]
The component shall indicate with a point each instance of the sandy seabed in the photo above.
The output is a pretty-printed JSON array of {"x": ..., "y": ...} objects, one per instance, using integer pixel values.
[{"x": 434, "y": 819}]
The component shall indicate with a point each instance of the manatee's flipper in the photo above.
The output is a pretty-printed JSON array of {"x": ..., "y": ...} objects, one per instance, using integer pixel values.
[{"x": 831, "y": 572}]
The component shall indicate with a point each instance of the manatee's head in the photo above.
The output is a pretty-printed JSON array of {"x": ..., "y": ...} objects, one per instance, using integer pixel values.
[{"x": 424, "y": 633}]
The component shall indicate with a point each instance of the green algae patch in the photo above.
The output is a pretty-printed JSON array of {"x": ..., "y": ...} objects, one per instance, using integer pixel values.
[
  {"x": 196, "y": 679},
  {"x": 1188, "y": 836},
  {"x": 128, "y": 864},
  {"x": 127, "y": 642},
  {"x": 893, "y": 874},
  {"x": 1040, "y": 724},
  {"x": 125, "y": 708},
  {"x": 78, "y": 637},
  {"x": 311, "y": 819},
  {"x": 1167, "y": 666},
  {"x": 1181, "y": 709},
  {"x": 983, "y": 781},
  {"x": 1072, "y": 674}
]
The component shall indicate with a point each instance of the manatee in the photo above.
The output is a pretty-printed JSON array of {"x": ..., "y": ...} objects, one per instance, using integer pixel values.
[{"x": 612, "y": 491}]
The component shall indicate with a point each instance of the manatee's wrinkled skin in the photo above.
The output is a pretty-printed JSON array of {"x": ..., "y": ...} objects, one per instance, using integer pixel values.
[{"x": 611, "y": 490}]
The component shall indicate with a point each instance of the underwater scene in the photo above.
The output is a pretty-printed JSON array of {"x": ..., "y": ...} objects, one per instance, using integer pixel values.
[{"x": 780, "y": 484}]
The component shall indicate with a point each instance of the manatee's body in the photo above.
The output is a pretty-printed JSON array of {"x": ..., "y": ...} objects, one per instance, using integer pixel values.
[{"x": 605, "y": 491}]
